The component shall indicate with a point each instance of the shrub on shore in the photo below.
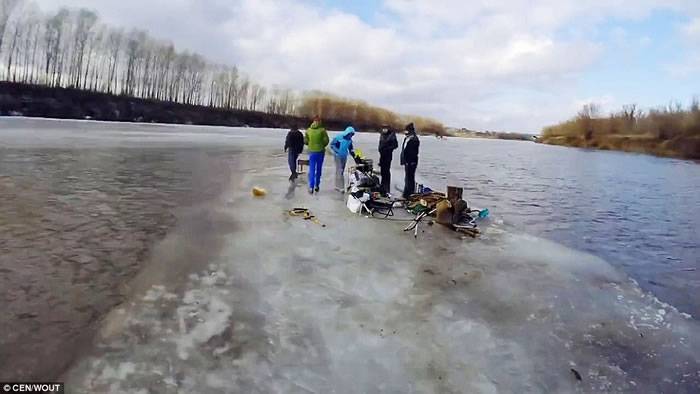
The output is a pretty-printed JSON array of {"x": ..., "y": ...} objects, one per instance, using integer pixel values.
[
  {"x": 361, "y": 114},
  {"x": 669, "y": 131}
]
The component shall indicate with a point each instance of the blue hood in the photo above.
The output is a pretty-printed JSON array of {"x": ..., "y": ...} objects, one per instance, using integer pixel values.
[
  {"x": 342, "y": 143},
  {"x": 348, "y": 131}
]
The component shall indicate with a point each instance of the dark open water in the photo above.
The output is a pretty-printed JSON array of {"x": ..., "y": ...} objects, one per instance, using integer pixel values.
[{"x": 640, "y": 213}]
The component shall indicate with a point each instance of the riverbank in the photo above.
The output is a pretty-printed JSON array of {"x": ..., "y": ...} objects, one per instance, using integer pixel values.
[
  {"x": 683, "y": 148},
  {"x": 38, "y": 101},
  {"x": 668, "y": 132},
  {"x": 492, "y": 135}
]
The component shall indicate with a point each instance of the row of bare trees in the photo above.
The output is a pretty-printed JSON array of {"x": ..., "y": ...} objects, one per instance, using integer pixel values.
[{"x": 73, "y": 49}]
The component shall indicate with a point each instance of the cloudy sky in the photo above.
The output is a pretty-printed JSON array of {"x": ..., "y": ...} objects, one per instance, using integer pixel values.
[{"x": 514, "y": 65}]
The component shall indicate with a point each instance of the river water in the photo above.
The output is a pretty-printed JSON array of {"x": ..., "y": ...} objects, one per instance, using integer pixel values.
[
  {"x": 93, "y": 213},
  {"x": 640, "y": 213}
]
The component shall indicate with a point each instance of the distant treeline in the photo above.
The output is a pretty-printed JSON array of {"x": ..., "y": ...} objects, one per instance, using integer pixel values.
[
  {"x": 501, "y": 135},
  {"x": 669, "y": 131},
  {"x": 361, "y": 114},
  {"x": 73, "y": 49}
]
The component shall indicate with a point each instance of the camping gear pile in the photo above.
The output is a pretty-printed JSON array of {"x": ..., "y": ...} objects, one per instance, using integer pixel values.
[
  {"x": 450, "y": 209},
  {"x": 364, "y": 191}
]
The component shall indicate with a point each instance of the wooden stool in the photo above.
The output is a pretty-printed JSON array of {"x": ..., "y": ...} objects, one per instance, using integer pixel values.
[{"x": 300, "y": 165}]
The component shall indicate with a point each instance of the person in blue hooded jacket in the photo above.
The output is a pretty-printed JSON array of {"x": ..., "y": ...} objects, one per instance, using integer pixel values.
[{"x": 341, "y": 147}]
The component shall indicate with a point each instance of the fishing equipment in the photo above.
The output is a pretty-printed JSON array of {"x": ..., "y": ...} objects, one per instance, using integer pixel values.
[
  {"x": 449, "y": 209},
  {"x": 414, "y": 224},
  {"x": 305, "y": 214}
]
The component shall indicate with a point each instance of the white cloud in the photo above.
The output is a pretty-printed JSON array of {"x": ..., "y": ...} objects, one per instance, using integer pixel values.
[
  {"x": 689, "y": 64},
  {"x": 508, "y": 64},
  {"x": 692, "y": 29}
]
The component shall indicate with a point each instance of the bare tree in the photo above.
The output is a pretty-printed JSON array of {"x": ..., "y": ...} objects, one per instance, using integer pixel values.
[
  {"x": 33, "y": 62},
  {"x": 6, "y": 9},
  {"x": 99, "y": 62},
  {"x": 70, "y": 48},
  {"x": 254, "y": 96},
  {"x": 113, "y": 46},
  {"x": 15, "y": 37},
  {"x": 24, "y": 49},
  {"x": 165, "y": 75},
  {"x": 281, "y": 101},
  {"x": 232, "y": 88},
  {"x": 133, "y": 59},
  {"x": 586, "y": 117},
  {"x": 242, "y": 94},
  {"x": 92, "y": 38},
  {"x": 589, "y": 111},
  {"x": 52, "y": 44},
  {"x": 629, "y": 111},
  {"x": 85, "y": 21}
]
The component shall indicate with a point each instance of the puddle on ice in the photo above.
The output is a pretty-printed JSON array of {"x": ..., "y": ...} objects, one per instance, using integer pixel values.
[{"x": 359, "y": 306}]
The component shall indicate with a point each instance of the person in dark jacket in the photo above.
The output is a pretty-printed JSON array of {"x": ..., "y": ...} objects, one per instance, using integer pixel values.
[
  {"x": 409, "y": 159},
  {"x": 293, "y": 145},
  {"x": 387, "y": 145}
]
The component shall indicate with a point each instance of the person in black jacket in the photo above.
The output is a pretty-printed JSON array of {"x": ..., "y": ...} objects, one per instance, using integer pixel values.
[
  {"x": 409, "y": 159},
  {"x": 293, "y": 145},
  {"x": 387, "y": 145}
]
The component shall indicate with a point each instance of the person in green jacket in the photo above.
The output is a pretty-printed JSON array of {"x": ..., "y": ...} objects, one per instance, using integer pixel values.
[{"x": 316, "y": 138}]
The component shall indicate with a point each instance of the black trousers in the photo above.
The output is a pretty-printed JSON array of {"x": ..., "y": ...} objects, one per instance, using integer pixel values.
[
  {"x": 385, "y": 168},
  {"x": 410, "y": 179}
]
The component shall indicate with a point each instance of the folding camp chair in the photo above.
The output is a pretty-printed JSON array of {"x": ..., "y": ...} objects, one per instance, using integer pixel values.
[{"x": 380, "y": 207}]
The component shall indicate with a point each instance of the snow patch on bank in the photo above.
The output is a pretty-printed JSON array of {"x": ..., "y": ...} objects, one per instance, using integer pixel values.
[{"x": 205, "y": 322}]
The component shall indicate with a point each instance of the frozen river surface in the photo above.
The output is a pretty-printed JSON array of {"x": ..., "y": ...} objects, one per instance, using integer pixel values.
[{"x": 233, "y": 295}]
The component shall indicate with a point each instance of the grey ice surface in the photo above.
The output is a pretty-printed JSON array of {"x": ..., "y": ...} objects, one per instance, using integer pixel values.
[{"x": 240, "y": 297}]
